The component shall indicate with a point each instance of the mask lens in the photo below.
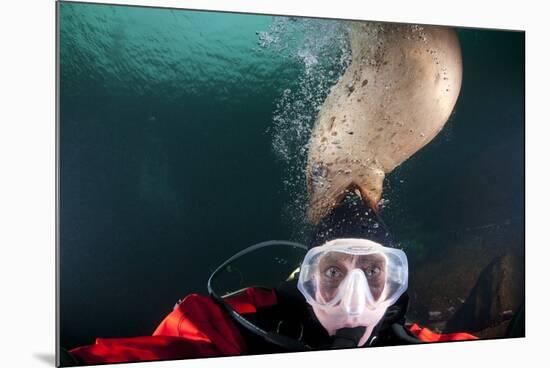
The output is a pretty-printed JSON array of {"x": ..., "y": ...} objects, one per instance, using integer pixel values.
[
  {"x": 380, "y": 274},
  {"x": 374, "y": 268},
  {"x": 334, "y": 268},
  {"x": 332, "y": 271}
]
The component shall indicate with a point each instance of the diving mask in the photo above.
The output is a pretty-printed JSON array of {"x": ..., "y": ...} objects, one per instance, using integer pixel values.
[{"x": 351, "y": 283}]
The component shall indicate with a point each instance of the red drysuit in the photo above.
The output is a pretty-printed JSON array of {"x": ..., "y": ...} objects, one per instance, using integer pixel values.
[{"x": 200, "y": 328}]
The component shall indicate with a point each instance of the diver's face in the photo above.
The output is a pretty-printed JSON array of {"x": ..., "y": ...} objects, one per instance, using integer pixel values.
[
  {"x": 334, "y": 267},
  {"x": 351, "y": 282},
  {"x": 338, "y": 276}
]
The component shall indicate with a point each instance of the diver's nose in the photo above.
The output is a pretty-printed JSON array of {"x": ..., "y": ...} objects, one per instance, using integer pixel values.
[{"x": 354, "y": 298}]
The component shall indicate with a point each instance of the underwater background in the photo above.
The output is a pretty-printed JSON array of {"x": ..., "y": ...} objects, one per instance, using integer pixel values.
[{"x": 182, "y": 140}]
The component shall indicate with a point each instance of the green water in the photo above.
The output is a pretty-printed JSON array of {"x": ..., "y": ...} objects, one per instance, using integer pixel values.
[{"x": 182, "y": 141}]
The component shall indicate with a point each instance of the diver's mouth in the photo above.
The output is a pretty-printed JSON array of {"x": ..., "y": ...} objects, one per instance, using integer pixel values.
[{"x": 353, "y": 325}]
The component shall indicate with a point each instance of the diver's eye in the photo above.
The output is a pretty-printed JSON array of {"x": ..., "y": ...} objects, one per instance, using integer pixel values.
[
  {"x": 372, "y": 271},
  {"x": 333, "y": 273}
]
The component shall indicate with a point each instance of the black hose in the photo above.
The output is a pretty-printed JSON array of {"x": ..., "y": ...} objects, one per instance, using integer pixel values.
[{"x": 348, "y": 337}]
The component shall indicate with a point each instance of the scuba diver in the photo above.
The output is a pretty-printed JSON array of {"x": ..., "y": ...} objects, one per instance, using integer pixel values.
[{"x": 349, "y": 290}]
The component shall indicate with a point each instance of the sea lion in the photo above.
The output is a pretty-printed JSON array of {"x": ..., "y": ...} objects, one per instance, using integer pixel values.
[{"x": 397, "y": 93}]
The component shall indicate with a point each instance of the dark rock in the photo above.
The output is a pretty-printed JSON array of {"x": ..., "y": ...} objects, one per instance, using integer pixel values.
[
  {"x": 442, "y": 281},
  {"x": 492, "y": 332},
  {"x": 496, "y": 297}
]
